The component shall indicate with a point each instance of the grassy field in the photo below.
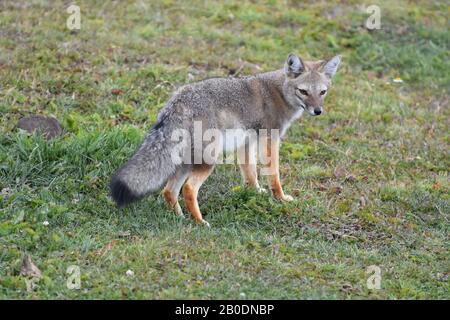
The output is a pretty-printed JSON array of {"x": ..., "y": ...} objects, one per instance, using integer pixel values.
[{"x": 370, "y": 176}]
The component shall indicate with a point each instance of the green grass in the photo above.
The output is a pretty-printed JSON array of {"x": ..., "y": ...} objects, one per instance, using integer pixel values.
[{"x": 370, "y": 176}]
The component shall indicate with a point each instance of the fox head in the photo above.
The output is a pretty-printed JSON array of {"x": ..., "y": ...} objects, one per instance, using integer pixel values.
[{"x": 307, "y": 82}]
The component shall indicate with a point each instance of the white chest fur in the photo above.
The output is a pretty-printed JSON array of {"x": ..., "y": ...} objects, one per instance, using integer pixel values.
[{"x": 288, "y": 123}]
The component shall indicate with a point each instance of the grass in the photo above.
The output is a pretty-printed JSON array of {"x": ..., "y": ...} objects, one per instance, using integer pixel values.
[{"x": 370, "y": 176}]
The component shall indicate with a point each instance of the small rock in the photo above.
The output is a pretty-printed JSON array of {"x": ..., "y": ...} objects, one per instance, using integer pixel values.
[
  {"x": 130, "y": 273},
  {"x": 49, "y": 127},
  {"x": 108, "y": 247}
]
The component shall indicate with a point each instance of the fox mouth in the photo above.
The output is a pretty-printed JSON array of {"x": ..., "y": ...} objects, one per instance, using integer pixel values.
[
  {"x": 312, "y": 112},
  {"x": 304, "y": 107}
]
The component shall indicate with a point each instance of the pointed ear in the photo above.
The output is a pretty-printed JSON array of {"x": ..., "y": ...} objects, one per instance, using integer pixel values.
[
  {"x": 330, "y": 67},
  {"x": 294, "y": 66}
]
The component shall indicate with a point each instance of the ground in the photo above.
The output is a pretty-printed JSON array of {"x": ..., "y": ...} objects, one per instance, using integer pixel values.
[{"x": 369, "y": 176}]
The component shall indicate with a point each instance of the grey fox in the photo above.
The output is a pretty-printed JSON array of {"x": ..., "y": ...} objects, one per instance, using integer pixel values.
[{"x": 271, "y": 101}]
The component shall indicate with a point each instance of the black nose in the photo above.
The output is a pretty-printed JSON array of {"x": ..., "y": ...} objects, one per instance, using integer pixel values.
[{"x": 317, "y": 111}]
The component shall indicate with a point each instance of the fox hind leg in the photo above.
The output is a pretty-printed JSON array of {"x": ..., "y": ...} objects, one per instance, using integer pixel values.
[
  {"x": 172, "y": 190},
  {"x": 247, "y": 163},
  {"x": 196, "y": 178}
]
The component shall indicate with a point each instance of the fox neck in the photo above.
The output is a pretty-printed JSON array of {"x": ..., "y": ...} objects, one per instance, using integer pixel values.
[{"x": 285, "y": 111}]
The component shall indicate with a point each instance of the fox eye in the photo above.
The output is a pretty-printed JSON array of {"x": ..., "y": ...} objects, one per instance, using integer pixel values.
[
  {"x": 323, "y": 92},
  {"x": 303, "y": 92}
]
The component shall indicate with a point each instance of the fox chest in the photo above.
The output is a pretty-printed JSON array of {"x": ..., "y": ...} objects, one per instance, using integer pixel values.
[{"x": 287, "y": 123}]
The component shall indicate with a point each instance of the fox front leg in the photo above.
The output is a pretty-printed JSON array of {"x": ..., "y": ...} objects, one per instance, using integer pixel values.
[{"x": 272, "y": 169}]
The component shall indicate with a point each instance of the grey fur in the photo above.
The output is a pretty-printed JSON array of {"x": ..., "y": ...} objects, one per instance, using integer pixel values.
[
  {"x": 265, "y": 101},
  {"x": 149, "y": 167}
]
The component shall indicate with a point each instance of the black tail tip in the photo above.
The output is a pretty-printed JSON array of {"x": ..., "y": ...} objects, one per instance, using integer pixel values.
[{"x": 121, "y": 194}]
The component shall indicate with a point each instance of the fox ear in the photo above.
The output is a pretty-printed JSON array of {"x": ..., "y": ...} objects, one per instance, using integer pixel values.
[
  {"x": 330, "y": 67},
  {"x": 294, "y": 66}
]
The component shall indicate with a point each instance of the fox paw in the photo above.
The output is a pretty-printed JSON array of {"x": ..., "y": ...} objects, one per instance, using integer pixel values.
[
  {"x": 179, "y": 211},
  {"x": 261, "y": 190},
  {"x": 255, "y": 186},
  {"x": 205, "y": 223},
  {"x": 287, "y": 198}
]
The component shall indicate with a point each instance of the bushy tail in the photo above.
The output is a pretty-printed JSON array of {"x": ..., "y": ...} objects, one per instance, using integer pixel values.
[{"x": 147, "y": 170}]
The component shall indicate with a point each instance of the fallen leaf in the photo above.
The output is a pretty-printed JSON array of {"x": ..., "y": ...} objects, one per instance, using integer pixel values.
[
  {"x": 362, "y": 202},
  {"x": 347, "y": 287},
  {"x": 124, "y": 234},
  {"x": 338, "y": 190},
  {"x": 436, "y": 186},
  {"x": 19, "y": 217},
  {"x": 338, "y": 173},
  {"x": 116, "y": 92},
  {"x": 106, "y": 248},
  {"x": 402, "y": 30},
  {"x": 350, "y": 178},
  {"x": 29, "y": 269}
]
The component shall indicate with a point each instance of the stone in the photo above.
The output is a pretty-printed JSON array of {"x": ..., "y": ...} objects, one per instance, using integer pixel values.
[{"x": 49, "y": 127}]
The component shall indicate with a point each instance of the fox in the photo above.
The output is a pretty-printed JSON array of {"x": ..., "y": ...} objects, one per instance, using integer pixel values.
[{"x": 271, "y": 101}]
